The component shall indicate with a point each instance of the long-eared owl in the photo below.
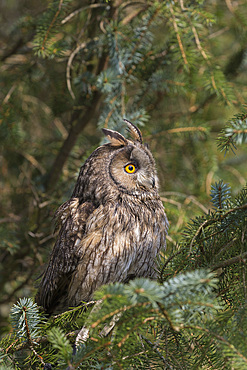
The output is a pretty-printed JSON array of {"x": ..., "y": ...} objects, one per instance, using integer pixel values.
[{"x": 111, "y": 229}]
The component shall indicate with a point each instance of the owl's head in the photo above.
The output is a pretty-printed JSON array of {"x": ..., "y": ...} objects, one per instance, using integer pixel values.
[{"x": 131, "y": 164}]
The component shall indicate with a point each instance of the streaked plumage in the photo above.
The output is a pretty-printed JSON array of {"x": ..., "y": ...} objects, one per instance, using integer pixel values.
[{"x": 111, "y": 229}]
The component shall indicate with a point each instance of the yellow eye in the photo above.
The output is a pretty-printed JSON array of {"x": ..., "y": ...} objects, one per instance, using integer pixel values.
[{"x": 130, "y": 168}]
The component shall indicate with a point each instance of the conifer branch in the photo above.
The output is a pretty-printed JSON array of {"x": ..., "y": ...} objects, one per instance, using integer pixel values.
[
  {"x": 166, "y": 315},
  {"x": 219, "y": 337},
  {"x": 77, "y": 11},
  {"x": 214, "y": 220},
  {"x": 76, "y": 129},
  {"x": 117, "y": 311},
  {"x": 178, "y": 35},
  {"x": 153, "y": 346},
  {"x": 89, "y": 354},
  {"x": 51, "y": 24},
  {"x": 178, "y": 130},
  {"x": 229, "y": 262}
]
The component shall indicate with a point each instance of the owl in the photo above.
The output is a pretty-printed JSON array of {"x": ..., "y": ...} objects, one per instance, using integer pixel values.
[{"x": 111, "y": 229}]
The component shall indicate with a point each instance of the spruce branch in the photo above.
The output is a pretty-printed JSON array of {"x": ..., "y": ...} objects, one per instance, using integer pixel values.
[
  {"x": 178, "y": 36},
  {"x": 214, "y": 220},
  {"x": 229, "y": 262},
  {"x": 219, "y": 338},
  {"x": 220, "y": 194},
  {"x": 151, "y": 19},
  {"x": 153, "y": 346},
  {"x": 233, "y": 134},
  {"x": 26, "y": 320},
  {"x": 51, "y": 24},
  {"x": 117, "y": 311},
  {"x": 14, "y": 347},
  {"x": 77, "y": 126},
  {"x": 167, "y": 317}
]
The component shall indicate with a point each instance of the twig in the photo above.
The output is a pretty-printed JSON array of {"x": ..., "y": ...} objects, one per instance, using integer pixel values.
[
  {"x": 144, "y": 350},
  {"x": 12, "y": 218},
  {"x": 134, "y": 14},
  {"x": 83, "y": 334},
  {"x": 73, "y": 14},
  {"x": 7, "y": 97},
  {"x": 178, "y": 36},
  {"x": 168, "y": 260},
  {"x": 34, "y": 162},
  {"x": 198, "y": 43},
  {"x": 178, "y": 130},
  {"x": 11, "y": 349},
  {"x": 191, "y": 198},
  {"x": 122, "y": 309},
  {"x": 220, "y": 338},
  {"x": 51, "y": 24},
  {"x": 30, "y": 342},
  {"x": 157, "y": 351},
  {"x": 68, "y": 68},
  {"x": 229, "y": 262},
  {"x": 228, "y": 245},
  {"x": 211, "y": 221},
  {"x": 165, "y": 313}
]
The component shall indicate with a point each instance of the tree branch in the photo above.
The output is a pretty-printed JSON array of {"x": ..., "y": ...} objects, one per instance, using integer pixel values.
[
  {"x": 70, "y": 141},
  {"x": 229, "y": 262}
]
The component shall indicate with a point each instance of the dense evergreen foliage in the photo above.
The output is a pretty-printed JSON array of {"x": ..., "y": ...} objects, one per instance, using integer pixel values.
[{"x": 178, "y": 70}]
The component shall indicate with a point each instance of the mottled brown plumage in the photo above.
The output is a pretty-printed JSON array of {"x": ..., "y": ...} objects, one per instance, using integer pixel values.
[{"x": 111, "y": 229}]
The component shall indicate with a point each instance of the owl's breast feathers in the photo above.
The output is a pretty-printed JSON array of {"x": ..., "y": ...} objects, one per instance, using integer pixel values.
[
  {"x": 96, "y": 246},
  {"x": 122, "y": 239}
]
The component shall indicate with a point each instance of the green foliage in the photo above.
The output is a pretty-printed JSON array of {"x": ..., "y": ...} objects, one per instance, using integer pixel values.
[
  {"x": 60, "y": 343},
  {"x": 46, "y": 44},
  {"x": 25, "y": 319},
  {"x": 235, "y": 133},
  {"x": 147, "y": 311},
  {"x": 220, "y": 194}
]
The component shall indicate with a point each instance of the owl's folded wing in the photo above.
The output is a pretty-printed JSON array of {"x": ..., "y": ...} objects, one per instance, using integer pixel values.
[{"x": 71, "y": 219}]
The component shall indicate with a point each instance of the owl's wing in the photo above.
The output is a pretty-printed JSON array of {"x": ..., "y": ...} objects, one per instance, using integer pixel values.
[{"x": 71, "y": 219}]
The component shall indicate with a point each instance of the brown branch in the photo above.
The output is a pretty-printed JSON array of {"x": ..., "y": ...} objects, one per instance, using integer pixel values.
[
  {"x": 77, "y": 11},
  {"x": 166, "y": 315},
  {"x": 178, "y": 130},
  {"x": 219, "y": 337},
  {"x": 168, "y": 260},
  {"x": 153, "y": 346},
  {"x": 178, "y": 36},
  {"x": 24, "y": 345},
  {"x": 30, "y": 342},
  {"x": 213, "y": 220},
  {"x": 51, "y": 24},
  {"x": 229, "y": 262},
  {"x": 76, "y": 129}
]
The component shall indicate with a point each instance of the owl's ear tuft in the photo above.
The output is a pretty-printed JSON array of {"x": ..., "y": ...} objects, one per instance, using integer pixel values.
[
  {"x": 134, "y": 131},
  {"x": 115, "y": 137}
]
